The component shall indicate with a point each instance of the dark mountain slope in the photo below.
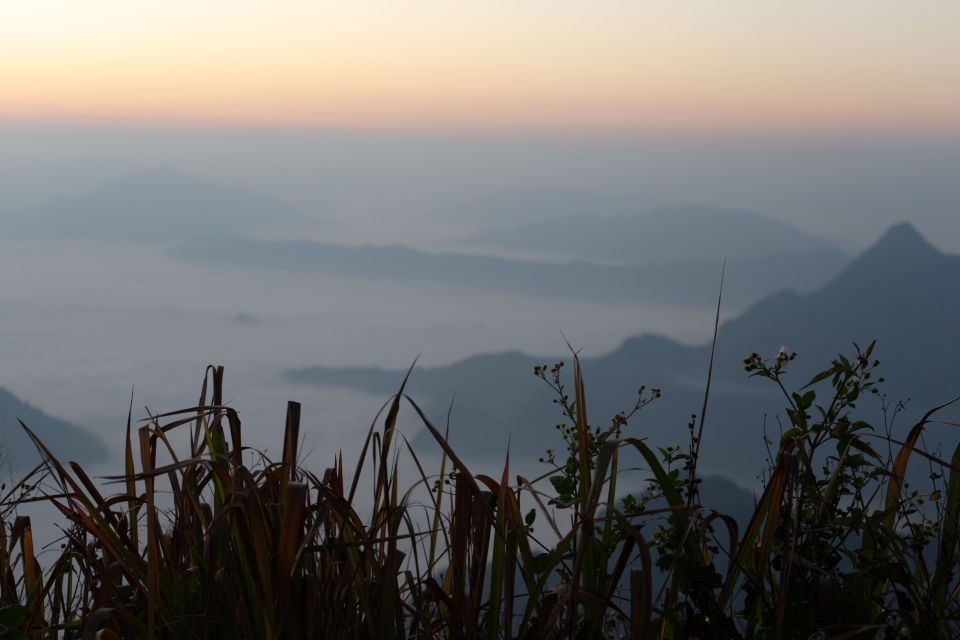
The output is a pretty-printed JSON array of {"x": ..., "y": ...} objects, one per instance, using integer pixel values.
[
  {"x": 902, "y": 292},
  {"x": 61, "y": 437}
]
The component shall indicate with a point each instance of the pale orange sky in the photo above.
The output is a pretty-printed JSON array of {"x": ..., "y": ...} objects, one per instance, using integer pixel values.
[{"x": 422, "y": 64}]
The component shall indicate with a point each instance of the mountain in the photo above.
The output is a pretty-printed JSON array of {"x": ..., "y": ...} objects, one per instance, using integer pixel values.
[
  {"x": 691, "y": 282},
  {"x": 65, "y": 440},
  {"x": 662, "y": 235},
  {"x": 157, "y": 205},
  {"x": 527, "y": 202},
  {"x": 902, "y": 292}
]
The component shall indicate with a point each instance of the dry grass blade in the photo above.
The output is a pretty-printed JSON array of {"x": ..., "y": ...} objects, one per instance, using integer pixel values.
[
  {"x": 204, "y": 546},
  {"x": 454, "y": 458},
  {"x": 147, "y": 462},
  {"x": 133, "y": 506},
  {"x": 766, "y": 515},
  {"x": 950, "y": 538},
  {"x": 691, "y": 484},
  {"x": 291, "y": 439},
  {"x": 899, "y": 470}
]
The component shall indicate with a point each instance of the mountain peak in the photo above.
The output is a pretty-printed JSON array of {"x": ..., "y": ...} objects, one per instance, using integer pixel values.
[
  {"x": 158, "y": 180},
  {"x": 902, "y": 239},
  {"x": 901, "y": 257}
]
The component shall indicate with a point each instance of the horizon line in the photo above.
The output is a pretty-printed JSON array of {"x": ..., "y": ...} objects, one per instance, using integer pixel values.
[{"x": 470, "y": 129}]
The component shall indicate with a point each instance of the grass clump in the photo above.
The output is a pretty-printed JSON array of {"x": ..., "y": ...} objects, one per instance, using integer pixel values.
[{"x": 199, "y": 543}]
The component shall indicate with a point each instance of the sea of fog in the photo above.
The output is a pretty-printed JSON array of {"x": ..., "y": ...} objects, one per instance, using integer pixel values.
[{"x": 84, "y": 323}]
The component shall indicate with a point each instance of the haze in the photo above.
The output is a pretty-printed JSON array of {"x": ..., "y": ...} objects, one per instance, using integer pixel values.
[{"x": 135, "y": 137}]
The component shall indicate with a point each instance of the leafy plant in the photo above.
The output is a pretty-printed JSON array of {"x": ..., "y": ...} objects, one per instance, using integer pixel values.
[{"x": 206, "y": 538}]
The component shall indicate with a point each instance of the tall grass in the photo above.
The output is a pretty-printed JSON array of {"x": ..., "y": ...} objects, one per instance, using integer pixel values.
[{"x": 217, "y": 541}]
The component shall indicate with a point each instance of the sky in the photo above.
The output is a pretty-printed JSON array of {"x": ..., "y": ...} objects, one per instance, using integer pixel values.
[
  {"x": 842, "y": 117},
  {"x": 608, "y": 65},
  {"x": 420, "y": 122}
]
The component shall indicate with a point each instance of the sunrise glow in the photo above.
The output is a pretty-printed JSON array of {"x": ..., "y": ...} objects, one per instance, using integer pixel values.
[{"x": 600, "y": 65}]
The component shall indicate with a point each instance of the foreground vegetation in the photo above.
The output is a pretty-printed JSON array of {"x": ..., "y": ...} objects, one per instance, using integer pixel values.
[{"x": 218, "y": 541}]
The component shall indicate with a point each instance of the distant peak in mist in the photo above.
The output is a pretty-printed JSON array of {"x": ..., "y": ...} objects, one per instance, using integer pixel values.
[
  {"x": 666, "y": 234},
  {"x": 903, "y": 239},
  {"x": 153, "y": 174},
  {"x": 169, "y": 184},
  {"x": 902, "y": 284},
  {"x": 156, "y": 204},
  {"x": 900, "y": 250}
]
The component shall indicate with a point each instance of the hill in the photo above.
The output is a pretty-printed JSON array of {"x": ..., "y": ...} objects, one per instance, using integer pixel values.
[
  {"x": 902, "y": 292},
  {"x": 661, "y": 235},
  {"x": 157, "y": 205},
  {"x": 63, "y": 438},
  {"x": 682, "y": 282}
]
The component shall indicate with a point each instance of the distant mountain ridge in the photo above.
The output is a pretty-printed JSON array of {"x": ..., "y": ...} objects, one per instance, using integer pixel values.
[
  {"x": 66, "y": 440},
  {"x": 156, "y": 205},
  {"x": 902, "y": 292},
  {"x": 691, "y": 282},
  {"x": 660, "y": 235}
]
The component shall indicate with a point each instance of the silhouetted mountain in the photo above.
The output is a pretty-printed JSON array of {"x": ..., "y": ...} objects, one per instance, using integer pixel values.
[
  {"x": 64, "y": 439},
  {"x": 723, "y": 495},
  {"x": 663, "y": 235},
  {"x": 902, "y": 292},
  {"x": 157, "y": 205},
  {"x": 542, "y": 202},
  {"x": 683, "y": 282}
]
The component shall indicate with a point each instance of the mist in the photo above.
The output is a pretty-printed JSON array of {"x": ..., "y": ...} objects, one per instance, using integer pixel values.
[
  {"x": 99, "y": 302},
  {"x": 427, "y": 190}
]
